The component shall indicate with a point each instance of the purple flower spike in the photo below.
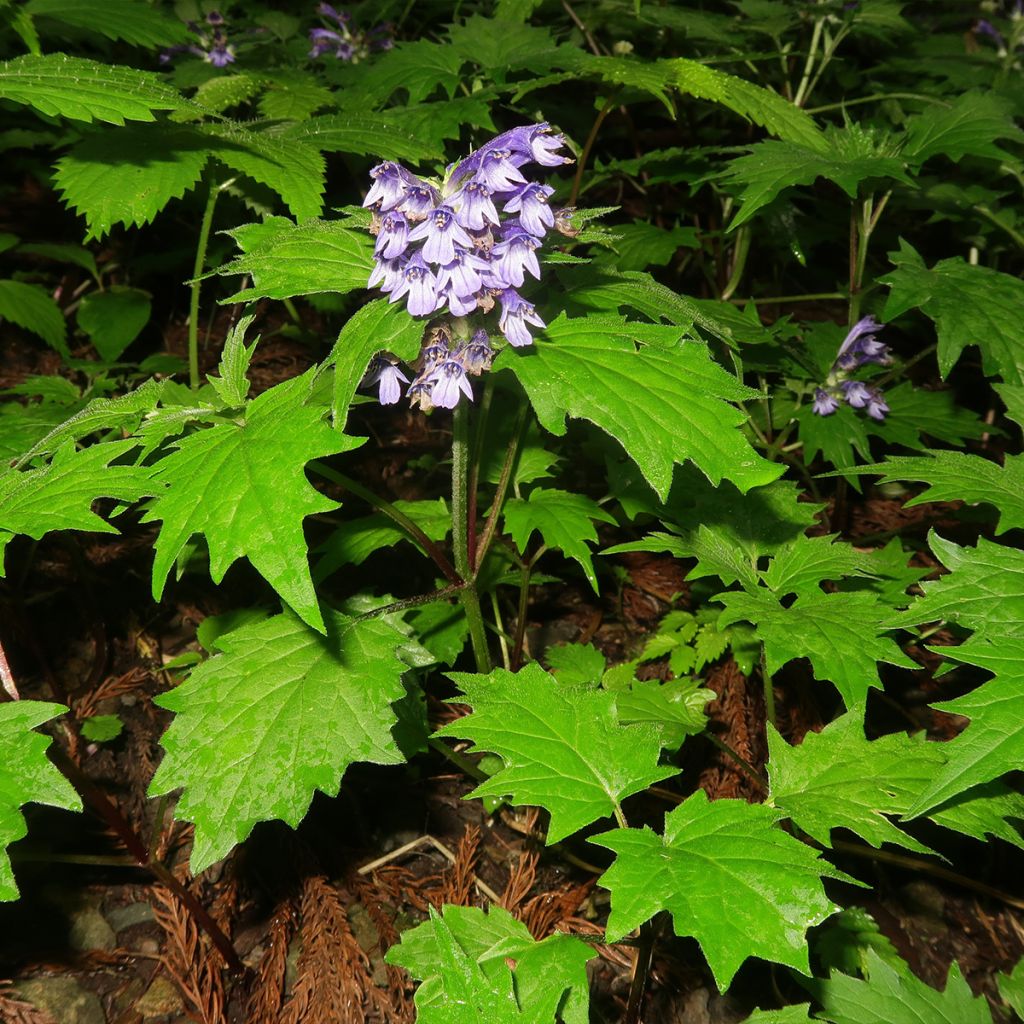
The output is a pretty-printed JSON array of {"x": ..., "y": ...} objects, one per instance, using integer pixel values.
[
  {"x": 986, "y": 28},
  {"x": 419, "y": 201},
  {"x": 327, "y": 11},
  {"x": 221, "y": 56},
  {"x": 861, "y": 346},
  {"x": 388, "y": 376},
  {"x": 460, "y": 305},
  {"x": 474, "y": 206},
  {"x": 387, "y": 274},
  {"x": 514, "y": 254},
  {"x": 516, "y": 313},
  {"x": 441, "y": 231},
  {"x": 462, "y": 275},
  {"x": 449, "y": 382},
  {"x": 419, "y": 283},
  {"x": 541, "y": 143},
  {"x": 394, "y": 235},
  {"x": 389, "y": 184},
  {"x": 497, "y": 171},
  {"x": 824, "y": 403},
  {"x": 215, "y": 18},
  {"x": 877, "y": 405},
  {"x": 531, "y": 203}
]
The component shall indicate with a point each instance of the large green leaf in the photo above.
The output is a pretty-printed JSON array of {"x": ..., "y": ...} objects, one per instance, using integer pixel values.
[
  {"x": 993, "y": 742},
  {"x": 888, "y": 996},
  {"x": 32, "y": 307},
  {"x": 243, "y": 486},
  {"x": 839, "y": 779},
  {"x": 114, "y": 318},
  {"x": 27, "y": 776},
  {"x": 85, "y": 90},
  {"x": 773, "y": 165},
  {"x": 983, "y": 591},
  {"x": 132, "y": 21},
  {"x": 591, "y": 368},
  {"x": 547, "y": 975},
  {"x": 59, "y": 496},
  {"x": 729, "y": 876},
  {"x": 128, "y": 178},
  {"x": 840, "y": 634},
  {"x": 957, "y": 476},
  {"x": 991, "y": 809},
  {"x": 971, "y": 305},
  {"x": 284, "y": 260},
  {"x": 563, "y": 748},
  {"x": 565, "y": 521},
  {"x": 969, "y": 126},
  {"x": 417, "y": 67},
  {"x": 282, "y": 712}
]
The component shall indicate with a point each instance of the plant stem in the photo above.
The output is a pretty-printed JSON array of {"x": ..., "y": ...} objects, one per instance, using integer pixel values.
[
  {"x": 460, "y": 539},
  {"x": 589, "y": 145},
  {"x": 739, "y": 263},
  {"x": 769, "y": 690},
  {"x": 396, "y": 516},
  {"x": 812, "y": 56},
  {"x": 780, "y": 299},
  {"x": 477, "y": 556},
  {"x": 874, "y": 98},
  {"x": 197, "y": 270}
]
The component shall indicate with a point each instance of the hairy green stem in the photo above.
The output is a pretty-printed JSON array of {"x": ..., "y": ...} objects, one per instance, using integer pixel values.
[
  {"x": 812, "y": 56},
  {"x": 589, "y": 145},
  {"x": 875, "y": 98},
  {"x": 769, "y": 690},
  {"x": 396, "y": 516},
  {"x": 477, "y": 556},
  {"x": 781, "y": 299},
  {"x": 469, "y": 596},
  {"x": 197, "y": 270},
  {"x": 739, "y": 263}
]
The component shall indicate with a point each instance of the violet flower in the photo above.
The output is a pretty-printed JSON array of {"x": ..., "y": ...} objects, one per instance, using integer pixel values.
[
  {"x": 531, "y": 203},
  {"x": 861, "y": 347},
  {"x": 440, "y": 231},
  {"x": 419, "y": 283},
  {"x": 388, "y": 376},
  {"x": 516, "y": 313},
  {"x": 449, "y": 381}
]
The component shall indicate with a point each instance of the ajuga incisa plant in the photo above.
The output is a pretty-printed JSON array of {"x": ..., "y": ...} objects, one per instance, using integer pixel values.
[{"x": 606, "y": 409}]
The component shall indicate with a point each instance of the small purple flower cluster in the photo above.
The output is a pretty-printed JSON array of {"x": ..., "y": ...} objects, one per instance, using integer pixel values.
[
  {"x": 444, "y": 244},
  {"x": 212, "y": 46},
  {"x": 860, "y": 347},
  {"x": 344, "y": 41}
]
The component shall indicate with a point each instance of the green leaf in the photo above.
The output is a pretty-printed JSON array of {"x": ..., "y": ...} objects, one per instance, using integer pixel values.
[
  {"x": 983, "y": 591},
  {"x": 31, "y": 307},
  {"x": 418, "y": 68},
  {"x": 59, "y": 496},
  {"x": 729, "y": 876},
  {"x": 294, "y": 98},
  {"x": 575, "y": 664},
  {"x": 441, "y": 628},
  {"x": 802, "y": 564},
  {"x": 846, "y": 938},
  {"x": 282, "y": 712},
  {"x": 915, "y": 412},
  {"x": 546, "y": 975},
  {"x": 1013, "y": 398},
  {"x": 294, "y": 170},
  {"x": 590, "y": 368},
  {"x": 114, "y": 318},
  {"x": 983, "y": 811},
  {"x": 675, "y": 708},
  {"x": 102, "y": 728},
  {"x": 243, "y": 487},
  {"x": 993, "y": 743},
  {"x": 957, "y": 476},
  {"x": 1011, "y": 988},
  {"x": 379, "y": 326},
  {"x": 285, "y": 260},
  {"x": 887, "y": 996},
  {"x": 839, "y": 779},
  {"x": 232, "y": 382},
  {"x": 971, "y": 305},
  {"x": 640, "y": 245},
  {"x": 377, "y": 135},
  {"x": 219, "y": 94},
  {"x": 840, "y": 634},
  {"x": 131, "y": 21},
  {"x": 851, "y": 157},
  {"x": 563, "y": 748},
  {"x": 564, "y": 521},
  {"x": 836, "y": 437},
  {"x": 28, "y": 776},
  {"x": 128, "y": 178},
  {"x": 63, "y": 253},
  {"x": 85, "y": 90},
  {"x": 355, "y": 540},
  {"x": 969, "y": 126}
]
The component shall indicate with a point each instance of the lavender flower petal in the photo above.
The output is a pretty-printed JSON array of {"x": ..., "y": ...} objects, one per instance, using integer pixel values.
[{"x": 516, "y": 313}]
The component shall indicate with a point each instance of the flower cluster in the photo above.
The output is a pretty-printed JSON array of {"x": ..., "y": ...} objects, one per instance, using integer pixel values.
[
  {"x": 445, "y": 245},
  {"x": 344, "y": 41},
  {"x": 211, "y": 43},
  {"x": 860, "y": 347}
]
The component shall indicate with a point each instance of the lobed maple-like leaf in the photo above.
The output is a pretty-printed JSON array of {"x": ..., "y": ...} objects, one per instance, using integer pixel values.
[
  {"x": 729, "y": 876},
  {"x": 969, "y": 126},
  {"x": 243, "y": 487},
  {"x": 802, "y": 564},
  {"x": 59, "y": 496},
  {"x": 548, "y": 976},
  {"x": 282, "y": 712},
  {"x": 129, "y": 20},
  {"x": 971, "y": 305},
  {"x": 993, "y": 742},
  {"x": 590, "y": 368},
  {"x": 563, "y": 747},
  {"x": 27, "y": 776},
  {"x": 992, "y": 809},
  {"x": 983, "y": 591},
  {"x": 958, "y": 476},
  {"x": 886, "y": 996},
  {"x": 841, "y": 634},
  {"x": 564, "y": 520},
  {"x": 839, "y": 779}
]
